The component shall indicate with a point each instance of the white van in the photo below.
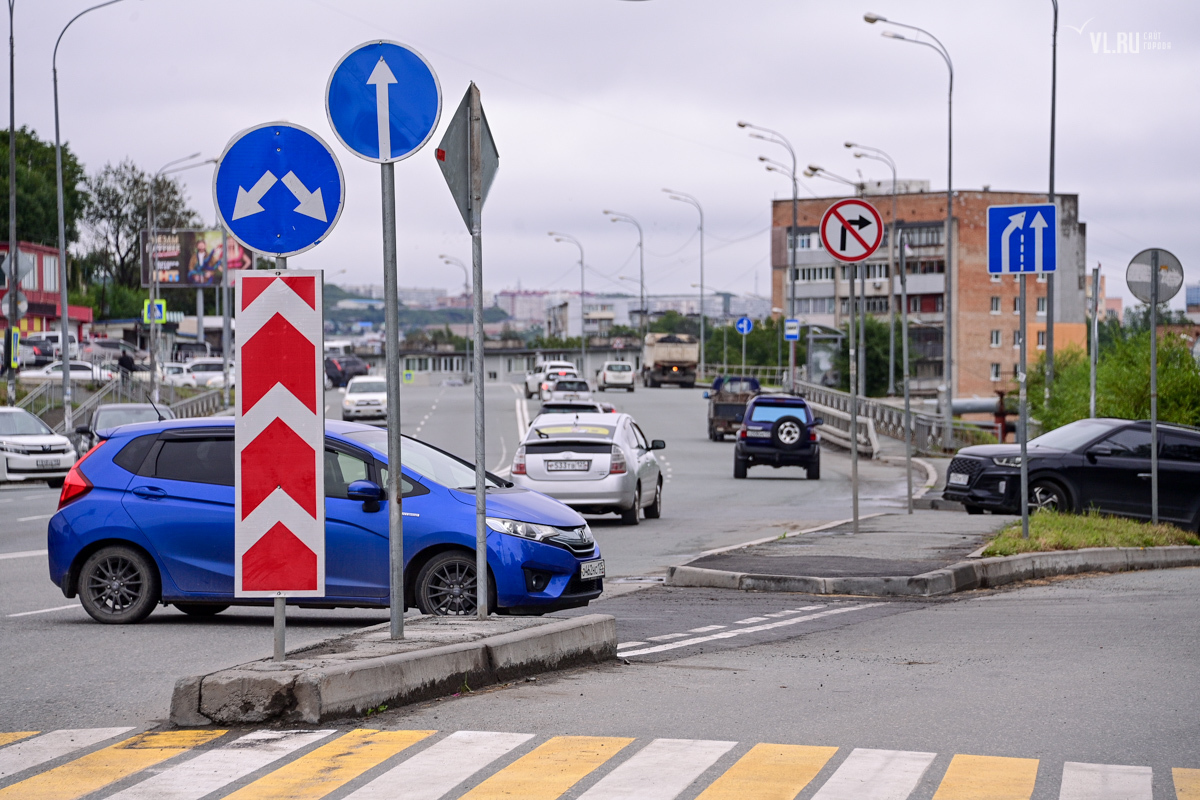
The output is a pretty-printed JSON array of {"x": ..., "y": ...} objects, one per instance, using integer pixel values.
[
  {"x": 53, "y": 341},
  {"x": 544, "y": 371}
]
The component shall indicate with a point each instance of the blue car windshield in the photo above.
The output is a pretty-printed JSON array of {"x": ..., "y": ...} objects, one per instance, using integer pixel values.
[
  {"x": 770, "y": 413},
  {"x": 426, "y": 461}
]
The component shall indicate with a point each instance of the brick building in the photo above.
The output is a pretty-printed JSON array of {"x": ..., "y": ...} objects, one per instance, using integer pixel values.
[{"x": 985, "y": 324}]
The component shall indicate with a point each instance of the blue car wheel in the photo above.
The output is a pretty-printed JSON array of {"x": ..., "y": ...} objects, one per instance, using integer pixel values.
[
  {"x": 446, "y": 586},
  {"x": 118, "y": 585}
]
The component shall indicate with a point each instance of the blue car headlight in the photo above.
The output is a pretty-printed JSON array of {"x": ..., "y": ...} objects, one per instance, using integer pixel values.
[{"x": 537, "y": 532}]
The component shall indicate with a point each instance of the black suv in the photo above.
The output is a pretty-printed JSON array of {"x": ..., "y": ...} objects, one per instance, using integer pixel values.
[
  {"x": 779, "y": 430},
  {"x": 340, "y": 369}
]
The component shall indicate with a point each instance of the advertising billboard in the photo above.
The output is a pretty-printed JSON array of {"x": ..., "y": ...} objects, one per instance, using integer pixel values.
[{"x": 189, "y": 258}]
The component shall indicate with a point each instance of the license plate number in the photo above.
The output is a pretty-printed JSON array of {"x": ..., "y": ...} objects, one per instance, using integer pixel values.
[
  {"x": 47, "y": 462},
  {"x": 591, "y": 569},
  {"x": 568, "y": 466},
  {"x": 759, "y": 434},
  {"x": 959, "y": 479}
]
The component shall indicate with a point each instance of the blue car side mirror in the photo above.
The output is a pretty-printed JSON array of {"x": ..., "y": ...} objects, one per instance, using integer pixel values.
[
  {"x": 705, "y": 395},
  {"x": 368, "y": 493}
]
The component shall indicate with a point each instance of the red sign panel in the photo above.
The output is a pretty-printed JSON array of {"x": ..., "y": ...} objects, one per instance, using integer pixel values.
[
  {"x": 851, "y": 230},
  {"x": 279, "y": 436}
]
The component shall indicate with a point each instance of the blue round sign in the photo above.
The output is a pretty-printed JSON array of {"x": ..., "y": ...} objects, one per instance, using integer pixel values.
[
  {"x": 745, "y": 325},
  {"x": 278, "y": 189},
  {"x": 383, "y": 101}
]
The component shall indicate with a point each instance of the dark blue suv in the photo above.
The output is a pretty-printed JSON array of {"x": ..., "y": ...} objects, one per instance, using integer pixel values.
[
  {"x": 780, "y": 430},
  {"x": 147, "y": 517}
]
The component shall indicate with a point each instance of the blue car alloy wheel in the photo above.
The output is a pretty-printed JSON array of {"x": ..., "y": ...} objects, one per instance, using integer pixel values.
[{"x": 147, "y": 517}]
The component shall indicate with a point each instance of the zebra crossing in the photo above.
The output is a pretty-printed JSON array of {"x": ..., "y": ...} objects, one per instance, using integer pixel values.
[{"x": 368, "y": 764}]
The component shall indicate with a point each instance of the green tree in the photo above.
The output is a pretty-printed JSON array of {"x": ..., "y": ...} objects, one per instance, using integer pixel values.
[
  {"x": 876, "y": 357},
  {"x": 674, "y": 322},
  {"x": 723, "y": 344},
  {"x": 37, "y": 193}
]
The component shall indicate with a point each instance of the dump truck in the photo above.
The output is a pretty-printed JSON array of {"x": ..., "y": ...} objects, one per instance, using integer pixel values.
[{"x": 670, "y": 358}]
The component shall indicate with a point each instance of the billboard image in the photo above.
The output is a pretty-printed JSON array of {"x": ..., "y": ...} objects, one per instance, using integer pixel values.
[{"x": 188, "y": 258}]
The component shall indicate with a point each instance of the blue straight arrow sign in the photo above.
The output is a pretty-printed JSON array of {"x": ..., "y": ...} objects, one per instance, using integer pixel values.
[{"x": 1022, "y": 238}]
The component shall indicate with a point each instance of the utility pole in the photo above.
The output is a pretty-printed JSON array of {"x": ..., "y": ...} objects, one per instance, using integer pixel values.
[
  {"x": 1050, "y": 278},
  {"x": 14, "y": 314}
]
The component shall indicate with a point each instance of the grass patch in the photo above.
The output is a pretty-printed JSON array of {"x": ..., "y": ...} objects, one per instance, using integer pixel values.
[{"x": 1049, "y": 530}]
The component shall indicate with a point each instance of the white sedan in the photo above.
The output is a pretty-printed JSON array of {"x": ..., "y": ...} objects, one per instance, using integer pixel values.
[
  {"x": 365, "y": 398},
  {"x": 80, "y": 371},
  {"x": 563, "y": 389}
]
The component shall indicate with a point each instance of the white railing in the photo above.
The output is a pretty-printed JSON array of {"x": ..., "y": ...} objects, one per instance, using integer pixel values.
[{"x": 836, "y": 429}]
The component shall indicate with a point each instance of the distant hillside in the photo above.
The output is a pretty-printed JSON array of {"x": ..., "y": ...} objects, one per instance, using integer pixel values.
[{"x": 409, "y": 317}]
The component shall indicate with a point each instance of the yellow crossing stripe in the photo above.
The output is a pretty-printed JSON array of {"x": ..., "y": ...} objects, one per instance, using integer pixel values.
[
  {"x": 770, "y": 772},
  {"x": 988, "y": 778},
  {"x": 1187, "y": 783},
  {"x": 9, "y": 738},
  {"x": 549, "y": 770},
  {"x": 99, "y": 769},
  {"x": 330, "y": 766}
]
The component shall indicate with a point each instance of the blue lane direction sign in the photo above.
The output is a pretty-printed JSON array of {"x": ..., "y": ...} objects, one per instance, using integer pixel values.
[
  {"x": 791, "y": 330},
  {"x": 1022, "y": 238},
  {"x": 278, "y": 189},
  {"x": 383, "y": 101},
  {"x": 744, "y": 325}
]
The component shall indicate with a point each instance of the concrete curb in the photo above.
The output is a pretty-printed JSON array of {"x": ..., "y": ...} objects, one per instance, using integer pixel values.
[
  {"x": 309, "y": 692},
  {"x": 984, "y": 573}
]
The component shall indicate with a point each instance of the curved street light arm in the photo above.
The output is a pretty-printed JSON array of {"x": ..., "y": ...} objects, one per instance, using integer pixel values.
[{"x": 54, "y": 58}]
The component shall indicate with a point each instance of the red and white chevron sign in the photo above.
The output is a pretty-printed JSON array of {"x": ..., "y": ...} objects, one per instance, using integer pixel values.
[{"x": 279, "y": 436}]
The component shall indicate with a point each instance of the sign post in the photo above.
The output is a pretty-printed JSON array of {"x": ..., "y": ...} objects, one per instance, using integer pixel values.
[
  {"x": 851, "y": 231},
  {"x": 383, "y": 101},
  {"x": 1018, "y": 244},
  {"x": 744, "y": 326},
  {"x": 468, "y": 160},
  {"x": 1154, "y": 276},
  {"x": 295, "y": 197}
]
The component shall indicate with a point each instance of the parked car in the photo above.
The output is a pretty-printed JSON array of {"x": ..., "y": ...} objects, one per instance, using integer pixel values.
[
  {"x": 176, "y": 373},
  {"x": 727, "y": 404},
  {"x": 1090, "y": 463},
  {"x": 577, "y": 407},
  {"x": 114, "y": 415},
  {"x": 569, "y": 388},
  {"x": 50, "y": 342},
  {"x": 30, "y": 451},
  {"x": 778, "y": 430},
  {"x": 80, "y": 371},
  {"x": 595, "y": 463},
  {"x": 615, "y": 375},
  {"x": 147, "y": 517},
  {"x": 207, "y": 371},
  {"x": 365, "y": 398},
  {"x": 101, "y": 350},
  {"x": 545, "y": 371},
  {"x": 340, "y": 369}
]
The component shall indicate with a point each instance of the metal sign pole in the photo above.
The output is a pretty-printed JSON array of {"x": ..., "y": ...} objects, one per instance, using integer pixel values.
[
  {"x": 743, "y": 352},
  {"x": 908, "y": 432},
  {"x": 862, "y": 331},
  {"x": 1095, "y": 359},
  {"x": 226, "y": 315},
  {"x": 1154, "y": 386},
  {"x": 853, "y": 404},
  {"x": 475, "y": 156},
  {"x": 1023, "y": 431},
  {"x": 280, "y": 602},
  {"x": 391, "y": 306}
]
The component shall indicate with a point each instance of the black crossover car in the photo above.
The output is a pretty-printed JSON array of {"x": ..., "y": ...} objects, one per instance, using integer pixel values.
[
  {"x": 1091, "y": 463},
  {"x": 779, "y": 430}
]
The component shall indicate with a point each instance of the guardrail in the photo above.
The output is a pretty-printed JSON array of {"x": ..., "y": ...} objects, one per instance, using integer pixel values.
[
  {"x": 837, "y": 429},
  {"x": 202, "y": 405}
]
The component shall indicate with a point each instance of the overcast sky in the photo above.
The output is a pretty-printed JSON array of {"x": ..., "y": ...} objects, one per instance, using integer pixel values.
[{"x": 600, "y": 104}]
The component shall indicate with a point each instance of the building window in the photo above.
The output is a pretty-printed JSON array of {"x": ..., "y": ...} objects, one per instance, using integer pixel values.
[
  {"x": 1041, "y": 340},
  {"x": 1041, "y": 277},
  {"x": 28, "y": 262},
  {"x": 995, "y": 338},
  {"x": 924, "y": 236},
  {"x": 995, "y": 304},
  {"x": 1041, "y": 306},
  {"x": 809, "y": 274},
  {"x": 1016, "y": 372},
  {"x": 1016, "y": 305},
  {"x": 995, "y": 277},
  {"x": 1017, "y": 338},
  {"x": 49, "y": 273},
  {"x": 995, "y": 372}
]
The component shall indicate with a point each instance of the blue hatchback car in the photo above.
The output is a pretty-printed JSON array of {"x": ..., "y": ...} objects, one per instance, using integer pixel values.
[{"x": 147, "y": 517}]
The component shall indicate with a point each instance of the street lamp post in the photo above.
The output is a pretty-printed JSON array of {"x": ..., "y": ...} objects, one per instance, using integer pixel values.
[
  {"x": 617, "y": 216},
  {"x": 13, "y": 268},
  {"x": 768, "y": 135},
  {"x": 454, "y": 262},
  {"x": 68, "y": 412},
  {"x": 1050, "y": 277},
  {"x": 687, "y": 198},
  {"x": 947, "y": 304},
  {"x": 562, "y": 237},
  {"x": 876, "y": 154}
]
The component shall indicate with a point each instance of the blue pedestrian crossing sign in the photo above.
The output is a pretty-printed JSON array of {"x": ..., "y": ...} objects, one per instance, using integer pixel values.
[
  {"x": 744, "y": 325},
  {"x": 154, "y": 312},
  {"x": 791, "y": 330},
  {"x": 1022, "y": 238},
  {"x": 278, "y": 189},
  {"x": 383, "y": 100}
]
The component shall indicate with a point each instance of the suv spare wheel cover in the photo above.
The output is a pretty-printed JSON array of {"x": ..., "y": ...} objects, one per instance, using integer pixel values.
[{"x": 787, "y": 433}]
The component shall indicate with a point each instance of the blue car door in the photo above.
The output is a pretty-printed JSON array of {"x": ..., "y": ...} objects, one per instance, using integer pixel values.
[
  {"x": 356, "y": 548},
  {"x": 182, "y": 499}
]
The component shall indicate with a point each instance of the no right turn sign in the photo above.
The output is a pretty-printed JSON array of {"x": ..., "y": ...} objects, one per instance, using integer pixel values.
[{"x": 851, "y": 230}]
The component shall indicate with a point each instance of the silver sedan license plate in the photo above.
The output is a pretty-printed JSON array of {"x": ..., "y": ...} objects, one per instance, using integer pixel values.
[
  {"x": 47, "y": 462},
  {"x": 568, "y": 466},
  {"x": 591, "y": 569}
]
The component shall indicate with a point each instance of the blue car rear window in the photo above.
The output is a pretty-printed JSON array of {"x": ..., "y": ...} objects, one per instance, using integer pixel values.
[
  {"x": 196, "y": 460},
  {"x": 770, "y": 413},
  {"x": 134, "y": 452}
]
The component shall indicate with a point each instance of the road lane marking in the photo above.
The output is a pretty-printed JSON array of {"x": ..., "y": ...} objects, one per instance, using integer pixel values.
[
  {"x": 503, "y": 457},
  {"x": 50, "y": 746},
  {"x": 23, "y": 554},
  {"x": 330, "y": 766},
  {"x": 742, "y": 631},
  {"x": 1187, "y": 783},
  {"x": 33, "y": 518},
  {"x": 209, "y": 771},
  {"x": 876, "y": 775},
  {"x": 707, "y": 629},
  {"x": 432, "y": 773},
  {"x": 749, "y": 620},
  {"x": 667, "y": 637},
  {"x": 113, "y": 763},
  {"x": 629, "y": 644},
  {"x": 550, "y": 769},
  {"x": 44, "y": 610},
  {"x": 988, "y": 778},
  {"x": 770, "y": 772},
  {"x": 661, "y": 770},
  {"x": 1105, "y": 782},
  {"x": 16, "y": 736}
]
